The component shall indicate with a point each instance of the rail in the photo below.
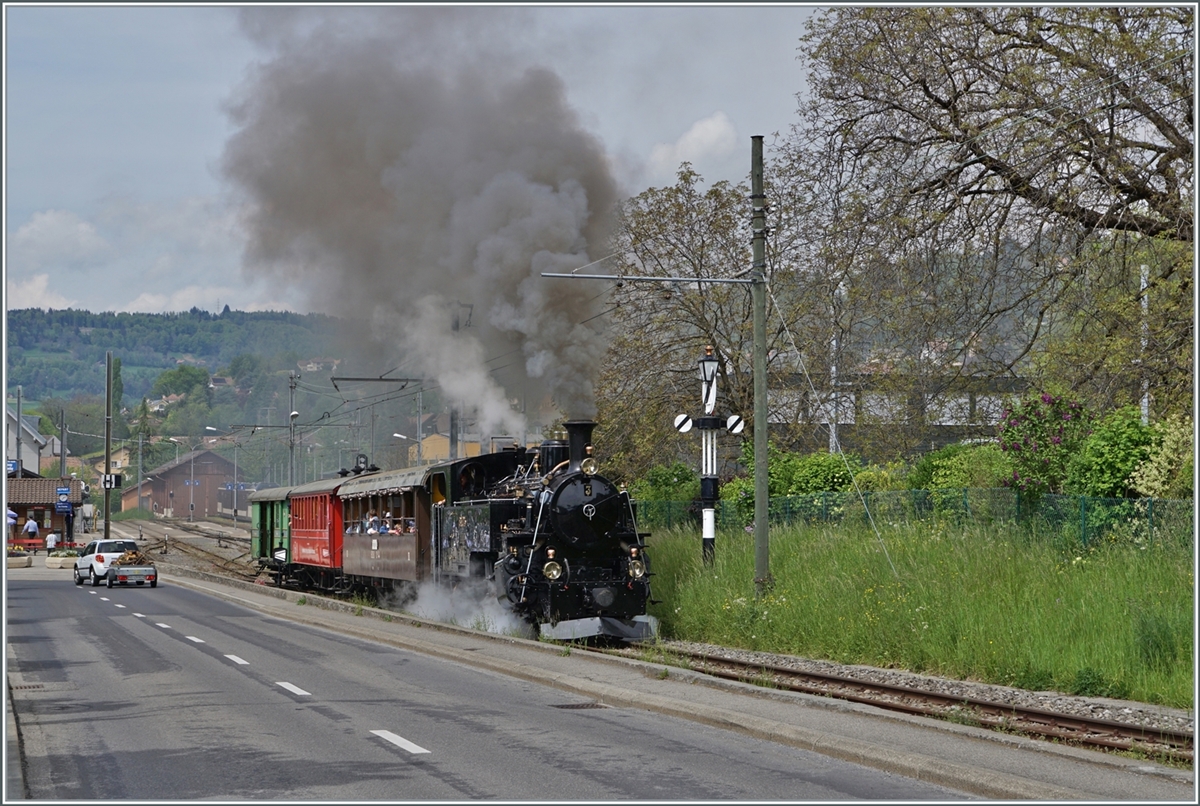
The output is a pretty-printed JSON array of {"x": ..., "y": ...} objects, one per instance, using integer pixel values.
[{"x": 1040, "y": 723}]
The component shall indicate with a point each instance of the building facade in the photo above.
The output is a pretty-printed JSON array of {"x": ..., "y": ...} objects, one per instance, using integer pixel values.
[
  {"x": 190, "y": 484},
  {"x": 31, "y": 443}
]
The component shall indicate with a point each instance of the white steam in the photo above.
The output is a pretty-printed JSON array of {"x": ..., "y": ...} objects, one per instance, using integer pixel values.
[{"x": 472, "y": 607}]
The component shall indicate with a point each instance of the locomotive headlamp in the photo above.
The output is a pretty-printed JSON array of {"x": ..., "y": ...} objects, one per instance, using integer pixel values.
[
  {"x": 589, "y": 466},
  {"x": 552, "y": 570},
  {"x": 637, "y": 569},
  {"x": 633, "y": 551},
  {"x": 550, "y": 554}
]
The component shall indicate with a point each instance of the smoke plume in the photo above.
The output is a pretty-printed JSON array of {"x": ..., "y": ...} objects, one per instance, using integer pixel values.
[{"x": 405, "y": 172}]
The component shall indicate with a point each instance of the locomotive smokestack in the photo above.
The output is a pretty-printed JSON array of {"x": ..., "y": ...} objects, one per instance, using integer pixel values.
[{"x": 579, "y": 436}]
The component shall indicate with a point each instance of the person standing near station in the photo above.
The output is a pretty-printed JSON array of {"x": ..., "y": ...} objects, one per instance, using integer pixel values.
[{"x": 31, "y": 529}]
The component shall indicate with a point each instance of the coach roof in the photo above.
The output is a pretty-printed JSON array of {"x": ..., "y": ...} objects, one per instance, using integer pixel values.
[{"x": 393, "y": 481}]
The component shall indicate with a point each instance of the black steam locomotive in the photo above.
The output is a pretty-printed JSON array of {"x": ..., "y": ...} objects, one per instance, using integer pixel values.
[{"x": 556, "y": 542}]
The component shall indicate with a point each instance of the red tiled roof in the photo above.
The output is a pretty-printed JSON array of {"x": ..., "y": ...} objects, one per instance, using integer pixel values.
[{"x": 42, "y": 491}]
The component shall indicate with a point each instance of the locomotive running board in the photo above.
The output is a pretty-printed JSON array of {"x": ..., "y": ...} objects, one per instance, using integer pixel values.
[{"x": 638, "y": 628}]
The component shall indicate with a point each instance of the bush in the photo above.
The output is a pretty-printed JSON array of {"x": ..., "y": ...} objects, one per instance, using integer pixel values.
[
  {"x": 673, "y": 482},
  {"x": 878, "y": 478},
  {"x": 822, "y": 472},
  {"x": 1103, "y": 465},
  {"x": 1040, "y": 435},
  {"x": 961, "y": 465},
  {"x": 1167, "y": 471}
]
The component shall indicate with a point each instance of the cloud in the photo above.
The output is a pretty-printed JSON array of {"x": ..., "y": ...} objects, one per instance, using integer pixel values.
[
  {"x": 36, "y": 293},
  {"x": 713, "y": 136},
  {"x": 133, "y": 255},
  {"x": 53, "y": 238}
]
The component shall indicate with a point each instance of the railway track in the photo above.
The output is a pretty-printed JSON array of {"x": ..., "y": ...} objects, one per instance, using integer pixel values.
[
  {"x": 224, "y": 564},
  {"x": 1070, "y": 728}
]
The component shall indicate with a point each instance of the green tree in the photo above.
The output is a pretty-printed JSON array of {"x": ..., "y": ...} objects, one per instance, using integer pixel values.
[{"x": 183, "y": 380}]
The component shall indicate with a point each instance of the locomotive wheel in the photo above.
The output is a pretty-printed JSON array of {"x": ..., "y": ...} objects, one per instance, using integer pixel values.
[{"x": 513, "y": 590}]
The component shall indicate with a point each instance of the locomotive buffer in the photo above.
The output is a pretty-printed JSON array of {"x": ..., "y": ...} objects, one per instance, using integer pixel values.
[{"x": 708, "y": 425}]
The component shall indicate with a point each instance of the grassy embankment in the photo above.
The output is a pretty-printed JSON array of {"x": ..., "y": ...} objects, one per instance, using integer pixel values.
[{"x": 968, "y": 602}]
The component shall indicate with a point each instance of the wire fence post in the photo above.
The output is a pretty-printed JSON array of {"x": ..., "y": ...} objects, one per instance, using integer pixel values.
[{"x": 1083, "y": 520}]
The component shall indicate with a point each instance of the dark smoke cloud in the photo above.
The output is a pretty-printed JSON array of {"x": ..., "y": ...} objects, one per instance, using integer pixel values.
[{"x": 397, "y": 162}]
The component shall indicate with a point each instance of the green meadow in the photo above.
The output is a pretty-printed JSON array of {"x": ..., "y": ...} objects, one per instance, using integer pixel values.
[{"x": 994, "y": 603}]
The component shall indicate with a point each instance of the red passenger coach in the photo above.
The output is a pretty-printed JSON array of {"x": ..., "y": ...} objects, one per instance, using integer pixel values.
[{"x": 316, "y": 555}]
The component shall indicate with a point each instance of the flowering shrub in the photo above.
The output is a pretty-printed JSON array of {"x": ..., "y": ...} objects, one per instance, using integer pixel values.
[
  {"x": 1039, "y": 436},
  {"x": 1167, "y": 473}
]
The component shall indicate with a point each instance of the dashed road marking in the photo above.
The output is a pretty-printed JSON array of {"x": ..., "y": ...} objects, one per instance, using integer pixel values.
[
  {"x": 293, "y": 689},
  {"x": 164, "y": 626},
  {"x": 238, "y": 660},
  {"x": 104, "y": 598},
  {"x": 121, "y": 606},
  {"x": 194, "y": 638},
  {"x": 139, "y": 615},
  {"x": 399, "y": 741}
]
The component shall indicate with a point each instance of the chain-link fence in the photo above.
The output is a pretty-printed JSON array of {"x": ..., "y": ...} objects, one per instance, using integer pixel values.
[{"x": 1071, "y": 517}]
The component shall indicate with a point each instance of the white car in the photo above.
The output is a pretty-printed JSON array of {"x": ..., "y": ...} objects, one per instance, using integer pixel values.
[{"x": 99, "y": 554}]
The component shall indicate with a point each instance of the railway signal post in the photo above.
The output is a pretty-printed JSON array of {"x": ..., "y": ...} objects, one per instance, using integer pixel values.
[{"x": 708, "y": 425}]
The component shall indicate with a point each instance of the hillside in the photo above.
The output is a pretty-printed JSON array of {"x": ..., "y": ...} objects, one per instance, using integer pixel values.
[{"x": 61, "y": 353}]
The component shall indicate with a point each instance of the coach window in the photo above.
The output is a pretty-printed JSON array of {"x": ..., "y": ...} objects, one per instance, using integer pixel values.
[{"x": 351, "y": 513}]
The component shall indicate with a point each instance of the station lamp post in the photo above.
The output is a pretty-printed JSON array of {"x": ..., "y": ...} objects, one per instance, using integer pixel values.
[{"x": 235, "y": 471}]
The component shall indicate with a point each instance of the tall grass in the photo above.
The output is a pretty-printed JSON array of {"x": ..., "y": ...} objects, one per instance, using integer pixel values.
[{"x": 989, "y": 603}]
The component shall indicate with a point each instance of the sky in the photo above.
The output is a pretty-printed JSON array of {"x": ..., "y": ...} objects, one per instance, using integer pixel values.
[{"x": 119, "y": 123}]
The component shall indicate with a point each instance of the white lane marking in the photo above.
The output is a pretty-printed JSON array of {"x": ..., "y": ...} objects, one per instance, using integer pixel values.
[
  {"x": 122, "y": 606},
  {"x": 139, "y": 615},
  {"x": 238, "y": 660},
  {"x": 400, "y": 741},
  {"x": 293, "y": 689},
  {"x": 94, "y": 593},
  {"x": 104, "y": 598},
  {"x": 165, "y": 626},
  {"x": 194, "y": 638}
]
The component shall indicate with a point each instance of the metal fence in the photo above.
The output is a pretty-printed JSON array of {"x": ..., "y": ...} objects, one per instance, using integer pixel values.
[{"x": 1071, "y": 517}]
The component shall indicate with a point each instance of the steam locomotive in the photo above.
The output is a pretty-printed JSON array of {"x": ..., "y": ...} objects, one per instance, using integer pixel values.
[{"x": 553, "y": 540}]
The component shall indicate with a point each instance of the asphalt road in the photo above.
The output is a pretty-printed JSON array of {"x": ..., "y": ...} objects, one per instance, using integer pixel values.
[{"x": 171, "y": 693}]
